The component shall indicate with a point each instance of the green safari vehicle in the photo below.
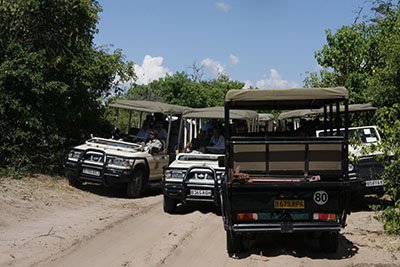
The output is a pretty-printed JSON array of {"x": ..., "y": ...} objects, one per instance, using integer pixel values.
[{"x": 285, "y": 182}]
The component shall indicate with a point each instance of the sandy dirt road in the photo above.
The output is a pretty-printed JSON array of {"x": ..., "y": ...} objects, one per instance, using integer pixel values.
[{"x": 106, "y": 229}]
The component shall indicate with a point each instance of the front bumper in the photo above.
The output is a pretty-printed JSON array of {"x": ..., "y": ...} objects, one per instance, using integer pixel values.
[
  {"x": 366, "y": 178},
  {"x": 107, "y": 176},
  {"x": 187, "y": 192},
  {"x": 192, "y": 189}
]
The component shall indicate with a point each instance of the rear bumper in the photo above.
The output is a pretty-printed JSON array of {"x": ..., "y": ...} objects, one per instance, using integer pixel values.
[{"x": 286, "y": 227}]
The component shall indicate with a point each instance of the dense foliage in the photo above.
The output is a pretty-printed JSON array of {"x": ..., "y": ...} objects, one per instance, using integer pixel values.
[
  {"x": 51, "y": 80},
  {"x": 365, "y": 58},
  {"x": 180, "y": 89}
]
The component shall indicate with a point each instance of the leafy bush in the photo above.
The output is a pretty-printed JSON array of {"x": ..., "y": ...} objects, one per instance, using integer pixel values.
[{"x": 51, "y": 81}]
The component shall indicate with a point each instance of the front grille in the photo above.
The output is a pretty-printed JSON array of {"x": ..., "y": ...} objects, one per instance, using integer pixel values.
[
  {"x": 369, "y": 169},
  {"x": 201, "y": 175}
]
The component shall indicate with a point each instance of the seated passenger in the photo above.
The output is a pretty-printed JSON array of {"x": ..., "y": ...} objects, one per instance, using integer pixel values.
[
  {"x": 240, "y": 127},
  {"x": 116, "y": 134},
  {"x": 162, "y": 134},
  {"x": 202, "y": 140},
  {"x": 144, "y": 133},
  {"x": 217, "y": 140},
  {"x": 154, "y": 144}
]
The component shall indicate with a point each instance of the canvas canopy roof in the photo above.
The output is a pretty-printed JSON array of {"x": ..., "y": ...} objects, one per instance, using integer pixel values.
[
  {"x": 294, "y": 98},
  {"x": 265, "y": 116},
  {"x": 219, "y": 113},
  {"x": 308, "y": 112},
  {"x": 148, "y": 106}
]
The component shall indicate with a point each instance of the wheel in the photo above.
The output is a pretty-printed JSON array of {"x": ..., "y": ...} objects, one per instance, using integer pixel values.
[
  {"x": 135, "y": 186},
  {"x": 73, "y": 181},
  {"x": 380, "y": 193},
  {"x": 329, "y": 242},
  {"x": 169, "y": 205},
  {"x": 234, "y": 242}
]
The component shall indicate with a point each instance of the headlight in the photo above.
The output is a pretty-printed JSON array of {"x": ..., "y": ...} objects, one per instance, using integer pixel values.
[
  {"x": 74, "y": 154},
  {"x": 174, "y": 174},
  {"x": 219, "y": 176},
  {"x": 118, "y": 161},
  {"x": 351, "y": 167}
]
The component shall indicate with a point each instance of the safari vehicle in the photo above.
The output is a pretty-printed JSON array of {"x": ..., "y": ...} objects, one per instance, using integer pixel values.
[
  {"x": 194, "y": 176},
  {"x": 122, "y": 161},
  {"x": 364, "y": 169},
  {"x": 280, "y": 182}
]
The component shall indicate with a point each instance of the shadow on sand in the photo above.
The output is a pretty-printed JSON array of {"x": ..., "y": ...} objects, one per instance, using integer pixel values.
[
  {"x": 204, "y": 208},
  {"x": 369, "y": 201},
  {"x": 119, "y": 191},
  {"x": 297, "y": 245}
]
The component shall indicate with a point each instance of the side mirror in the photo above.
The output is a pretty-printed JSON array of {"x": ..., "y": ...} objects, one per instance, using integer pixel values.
[{"x": 221, "y": 161}]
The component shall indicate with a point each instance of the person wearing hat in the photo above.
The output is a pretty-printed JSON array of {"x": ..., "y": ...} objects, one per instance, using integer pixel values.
[{"x": 154, "y": 144}]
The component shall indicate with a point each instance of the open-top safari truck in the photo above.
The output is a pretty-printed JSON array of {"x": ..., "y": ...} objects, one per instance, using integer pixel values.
[
  {"x": 365, "y": 169},
  {"x": 194, "y": 176},
  {"x": 125, "y": 160},
  {"x": 285, "y": 182}
]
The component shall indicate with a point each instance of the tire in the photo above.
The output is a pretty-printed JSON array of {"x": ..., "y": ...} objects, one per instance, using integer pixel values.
[
  {"x": 73, "y": 181},
  {"x": 135, "y": 186},
  {"x": 380, "y": 194},
  {"x": 234, "y": 242},
  {"x": 329, "y": 242},
  {"x": 169, "y": 205}
]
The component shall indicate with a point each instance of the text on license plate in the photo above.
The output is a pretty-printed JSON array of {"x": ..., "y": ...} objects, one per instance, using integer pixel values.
[
  {"x": 91, "y": 172},
  {"x": 198, "y": 192},
  {"x": 373, "y": 183},
  {"x": 288, "y": 204}
]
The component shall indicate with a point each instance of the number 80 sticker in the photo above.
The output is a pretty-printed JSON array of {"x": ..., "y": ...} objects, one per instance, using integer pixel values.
[{"x": 320, "y": 197}]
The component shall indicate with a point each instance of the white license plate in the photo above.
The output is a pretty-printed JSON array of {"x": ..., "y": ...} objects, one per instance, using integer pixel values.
[
  {"x": 373, "y": 183},
  {"x": 201, "y": 193},
  {"x": 91, "y": 172}
]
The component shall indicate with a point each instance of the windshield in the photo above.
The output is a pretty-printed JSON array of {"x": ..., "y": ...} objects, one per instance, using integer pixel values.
[{"x": 365, "y": 135}]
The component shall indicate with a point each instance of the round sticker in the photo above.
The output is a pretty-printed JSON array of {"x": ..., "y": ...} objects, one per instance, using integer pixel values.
[{"x": 320, "y": 197}]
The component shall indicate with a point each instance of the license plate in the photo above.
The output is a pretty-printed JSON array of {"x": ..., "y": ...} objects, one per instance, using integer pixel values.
[
  {"x": 373, "y": 183},
  {"x": 91, "y": 172},
  {"x": 288, "y": 204},
  {"x": 200, "y": 193}
]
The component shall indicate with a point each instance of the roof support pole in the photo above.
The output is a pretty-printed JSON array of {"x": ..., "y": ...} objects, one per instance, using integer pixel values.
[
  {"x": 185, "y": 132},
  {"x": 338, "y": 121},
  {"x": 169, "y": 129},
  {"x": 116, "y": 118},
  {"x": 346, "y": 136},
  {"x": 191, "y": 130},
  {"x": 325, "y": 122},
  {"x": 180, "y": 135},
  {"x": 330, "y": 119},
  {"x": 140, "y": 119},
  {"x": 128, "y": 127}
]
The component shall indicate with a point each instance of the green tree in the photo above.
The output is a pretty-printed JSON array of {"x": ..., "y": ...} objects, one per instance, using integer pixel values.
[
  {"x": 365, "y": 58},
  {"x": 51, "y": 80},
  {"x": 179, "y": 89}
]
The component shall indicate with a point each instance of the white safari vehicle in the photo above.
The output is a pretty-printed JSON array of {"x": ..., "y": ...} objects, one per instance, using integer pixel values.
[
  {"x": 122, "y": 161},
  {"x": 364, "y": 169},
  {"x": 195, "y": 176}
]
